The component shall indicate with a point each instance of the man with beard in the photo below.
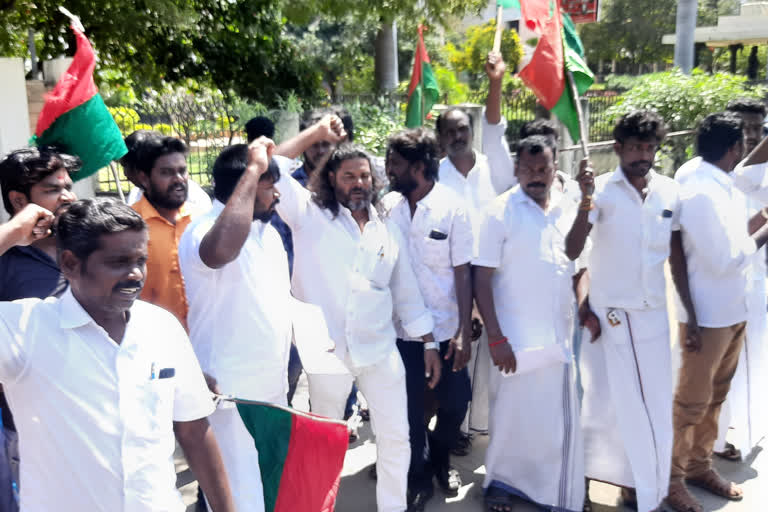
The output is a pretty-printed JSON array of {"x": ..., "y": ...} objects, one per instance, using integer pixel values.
[
  {"x": 523, "y": 290},
  {"x": 631, "y": 216},
  {"x": 356, "y": 268},
  {"x": 236, "y": 274},
  {"x": 436, "y": 226},
  {"x": 102, "y": 379},
  {"x": 198, "y": 198},
  {"x": 35, "y": 182},
  {"x": 162, "y": 172}
]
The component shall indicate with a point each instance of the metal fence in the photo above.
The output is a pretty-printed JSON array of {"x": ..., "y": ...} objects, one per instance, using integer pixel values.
[
  {"x": 206, "y": 125},
  {"x": 520, "y": 107}
]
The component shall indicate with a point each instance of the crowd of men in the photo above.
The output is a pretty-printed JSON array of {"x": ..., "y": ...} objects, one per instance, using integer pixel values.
[{"x": 459, "y": 293}]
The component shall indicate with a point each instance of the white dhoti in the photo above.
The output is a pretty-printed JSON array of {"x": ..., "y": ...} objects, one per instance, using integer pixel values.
[
  {"x": 627, "y": 406},
  {"x": 240, "y": 457},
  {"x": 383, "y": 385},
  {"x": 535, "y": 449},
  {"x": 479, "y": 368},
  {"x": 744, "y": 410}
]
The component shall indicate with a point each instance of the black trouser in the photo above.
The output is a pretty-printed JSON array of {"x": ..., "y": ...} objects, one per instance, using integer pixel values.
[{"x": 453, "y": 394}]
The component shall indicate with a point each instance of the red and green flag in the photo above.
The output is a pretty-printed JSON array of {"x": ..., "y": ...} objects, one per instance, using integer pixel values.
[
  {"x": 423, "y": 91},
  {"x": 300, "y": 456},
  {"x": 75, "y": 118},
  {"x": 553, "y": 48}
]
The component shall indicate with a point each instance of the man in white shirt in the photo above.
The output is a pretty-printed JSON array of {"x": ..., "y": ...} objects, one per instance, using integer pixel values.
[
  {"x": 523, "y": 288},
  {"x": 743, "y": 410},
  {"x": 236, "y": 273},
  {"x": 102, "y": 379},
  {"x": 467, "y": 173},
  {"x": 632, "y": 217},
  {"x": 356, "y": 268},
  {"x": 718, "y": 241},
  {"x": 436, "y": 227}
]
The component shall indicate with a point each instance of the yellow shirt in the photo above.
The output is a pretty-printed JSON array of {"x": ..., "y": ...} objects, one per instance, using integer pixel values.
[{"x": 164, "y": 285}]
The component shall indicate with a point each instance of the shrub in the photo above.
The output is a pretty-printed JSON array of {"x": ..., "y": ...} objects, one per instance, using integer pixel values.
[
  {"x": 126, "y": 118},
  {"x": 373, "y": 125}
]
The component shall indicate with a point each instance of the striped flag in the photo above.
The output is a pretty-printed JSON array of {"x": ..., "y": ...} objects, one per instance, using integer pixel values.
[
  {"x": 423, "y": 91},
  {"x": 75, "y": 118},
  {"x": 300, "y": 456}
]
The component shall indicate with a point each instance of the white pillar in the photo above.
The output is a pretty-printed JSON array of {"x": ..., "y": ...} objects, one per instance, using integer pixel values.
[
  {"x": 14, "y": 123},
  {"x": 684, "y": 33}
]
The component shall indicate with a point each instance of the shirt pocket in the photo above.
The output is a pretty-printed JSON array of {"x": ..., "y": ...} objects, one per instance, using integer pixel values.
[
  {"x": 155, "y": 401},
  {"x": 660, "y": 229},
  {"x": 434, "y": 253}
]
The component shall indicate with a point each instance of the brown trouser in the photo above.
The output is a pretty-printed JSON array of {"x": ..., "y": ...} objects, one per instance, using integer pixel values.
[{"x": 703, "y": 383}]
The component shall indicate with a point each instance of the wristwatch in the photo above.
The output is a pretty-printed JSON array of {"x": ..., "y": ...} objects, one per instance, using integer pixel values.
[{"x": 430, "y": 345}]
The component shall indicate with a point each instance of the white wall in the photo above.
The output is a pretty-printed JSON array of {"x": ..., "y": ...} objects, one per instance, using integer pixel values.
[{"x": 14, "y": 123}]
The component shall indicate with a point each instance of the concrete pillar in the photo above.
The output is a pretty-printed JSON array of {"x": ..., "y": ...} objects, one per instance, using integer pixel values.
[
  {"x": 684, "y": 31},
  {"x": 14, "y": 123}
]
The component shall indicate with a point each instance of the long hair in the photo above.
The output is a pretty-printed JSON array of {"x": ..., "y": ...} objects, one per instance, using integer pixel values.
[{"x": 323, "y": 193}]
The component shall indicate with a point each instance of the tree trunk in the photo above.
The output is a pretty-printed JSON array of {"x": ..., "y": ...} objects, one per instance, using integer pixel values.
[
  {"x": 385, "y": 59},
  {"x": 685, "y": 27}
]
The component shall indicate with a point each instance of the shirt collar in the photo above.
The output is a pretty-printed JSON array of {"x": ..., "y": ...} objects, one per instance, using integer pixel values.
[
  {"x": 619, "y": 176},
  {"x": 716, "y": 173},
  {"x": 453, "y": 168},
  {"x": 144, "y": 208},
  {"x": 555, "y": 196},
  {"x": 71, "y": 313},
  {"x": 433, "y": 198}
]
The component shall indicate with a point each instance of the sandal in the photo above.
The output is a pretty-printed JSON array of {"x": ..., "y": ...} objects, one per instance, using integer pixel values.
[
  {"x": 498, "y": 500},
  {"x": 711, "y": 481},
  {"x": 730, "y": 453},
  {"x": 680, "y": 499}
]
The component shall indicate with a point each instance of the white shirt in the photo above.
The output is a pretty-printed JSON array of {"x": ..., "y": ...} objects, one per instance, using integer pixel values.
[
  {"x": 476, "y": 188},
  {"x": 753, "y": 181},
  {"x": 198, "y": 198},
  {"x": 239, "y": 315},
  {"x": 96, "y": 431},
  {"x": 630, "y": 240},
  {"x": 718, "y": 248},
  {"x": 532, "y": 284},
  {"x": 439, "y": 238},
  {"x": 359, "y": 279},
  {"x": 499, "y": 157}
]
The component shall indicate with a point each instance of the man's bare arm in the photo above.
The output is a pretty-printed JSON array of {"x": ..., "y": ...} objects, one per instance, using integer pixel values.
[
  {"x": 204, "y": 458},
  {"x": 32, "y": 223},
  {"x": 222, "y": 244},
  {"x": 328, "y": 129},
  {"x": 495, "y": 69}
]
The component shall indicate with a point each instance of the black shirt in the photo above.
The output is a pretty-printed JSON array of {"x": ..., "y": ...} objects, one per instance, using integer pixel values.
[{"x": 27, "y": 272}]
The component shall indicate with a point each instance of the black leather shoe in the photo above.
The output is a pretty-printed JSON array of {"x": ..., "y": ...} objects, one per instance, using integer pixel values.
[
  {"x": 449, "y": 481},
  {"x": 417, "y": 500}
]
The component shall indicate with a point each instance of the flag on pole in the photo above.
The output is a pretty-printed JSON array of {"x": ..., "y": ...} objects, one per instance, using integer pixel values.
[
  {"x": 75, "y": 118},
  {"x": 554, "y": 47},
  {"x": 300, "y": 456},
  {"x": 423, "y": 91}
]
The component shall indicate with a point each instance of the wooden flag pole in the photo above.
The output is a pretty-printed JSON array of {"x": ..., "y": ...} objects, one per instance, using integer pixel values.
[
  {"x": 116, "y": 175},
  {"x": 582, "y": 124},
  {"x": 499, "y": 30}
]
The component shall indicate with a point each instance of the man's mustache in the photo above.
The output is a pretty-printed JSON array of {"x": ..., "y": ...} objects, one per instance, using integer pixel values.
[{"x": 129, "y": 284}]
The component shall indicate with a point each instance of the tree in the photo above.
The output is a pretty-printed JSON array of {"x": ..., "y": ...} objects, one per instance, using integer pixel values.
[
  {"x": 471, "y": 56},
  {"x": 237, "y": 44},
  {"x": 631, "y": 30},
  {"x": 384, "y": 14}
]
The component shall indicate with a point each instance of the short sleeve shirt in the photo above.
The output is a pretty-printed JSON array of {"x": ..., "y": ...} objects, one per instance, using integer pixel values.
[{"x": 95, "y": 418}]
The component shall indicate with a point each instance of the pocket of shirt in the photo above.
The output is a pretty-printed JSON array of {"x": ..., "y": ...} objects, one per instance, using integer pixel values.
[
  {"x": 155, "y": 400},
  {"x": 434, "y": 253}
]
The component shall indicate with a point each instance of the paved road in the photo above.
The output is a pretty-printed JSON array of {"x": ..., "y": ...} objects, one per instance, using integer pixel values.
[{"x": 358, "y": 491}]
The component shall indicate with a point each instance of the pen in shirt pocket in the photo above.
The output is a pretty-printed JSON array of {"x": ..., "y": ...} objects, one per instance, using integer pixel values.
[{"x": 153, "y": 371}]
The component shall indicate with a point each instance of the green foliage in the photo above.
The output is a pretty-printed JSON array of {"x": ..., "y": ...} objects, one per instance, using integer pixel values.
[
  {"x": 374, "y": 124},
  {"x": 125, "y": 117},
  {"x": 684, "y": 100},
  {"x": 471, "y": 55},
  {"x": 452, "y": 90},
  {"x": 623, "y": 82},
  {"x": 630, "y": 30},
  {"x": 233, "y": 44}
]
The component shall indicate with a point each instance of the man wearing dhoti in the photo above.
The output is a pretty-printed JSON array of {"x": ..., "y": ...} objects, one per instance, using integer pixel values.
[
  {"x": 523, "y": 290},
  {"x": 631, "y": 216}
]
